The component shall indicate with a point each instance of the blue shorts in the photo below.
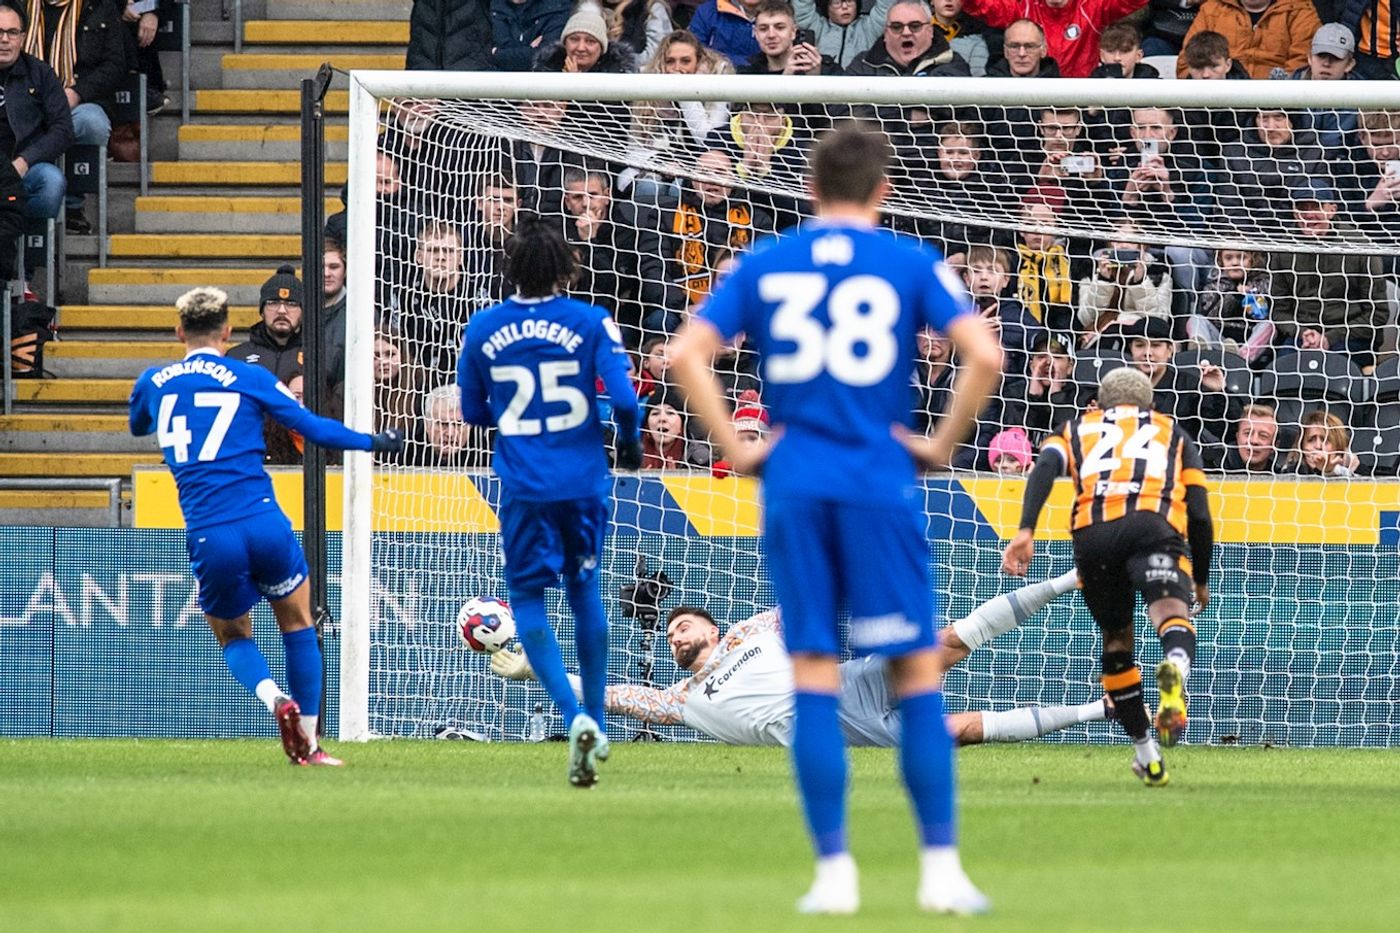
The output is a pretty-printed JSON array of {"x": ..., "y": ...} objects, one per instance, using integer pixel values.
[
  {"x": 239, "y": 563},
  {"x": 542, "y": 540},
  {"x": 871, "y": 559}
]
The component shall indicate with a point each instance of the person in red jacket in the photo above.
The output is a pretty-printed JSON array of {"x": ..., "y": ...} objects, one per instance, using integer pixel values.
[{"x": 1071, "y": 27}]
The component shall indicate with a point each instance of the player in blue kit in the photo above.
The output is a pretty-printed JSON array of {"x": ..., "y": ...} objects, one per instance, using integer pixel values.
[
  {"x": 530, "y": 366},
  {"x": 835, "y": 309},
  {"x": 207, "y": 414}
]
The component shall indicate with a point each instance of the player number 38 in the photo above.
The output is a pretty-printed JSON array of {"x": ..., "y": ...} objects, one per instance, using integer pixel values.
[{"x": 863, "y": 310}]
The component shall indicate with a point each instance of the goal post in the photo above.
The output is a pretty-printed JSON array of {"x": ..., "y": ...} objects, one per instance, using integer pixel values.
[{"x": 1298, "y": 646}]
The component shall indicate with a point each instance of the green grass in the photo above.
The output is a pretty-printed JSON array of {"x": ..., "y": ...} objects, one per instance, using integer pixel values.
[{"x": 212, "y": 836}]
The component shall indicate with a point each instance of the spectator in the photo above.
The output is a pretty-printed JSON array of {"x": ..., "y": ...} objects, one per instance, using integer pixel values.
[
  {"x": 750, "y": 424},
  {"x": 1374, "y": 183},
  {"x": 520, "y": 27},
  {"x": 1195, "y": 397},
  {"x": 1377, "y": 25},
  {"x": 333, "y": 328},
  {"x": 1044, "y": 276},
  {"x": 1069, "y": 29},
  {"x": 143, "y": 22},
  {"x": 423, "y": 148},
  {"x": 85, "y": 44},
  {"x": 1208, "y": 130},
  {"x": 779, "y": 52},
  {"x": 727, "y": 27},
  {"x": 1254, "y": 448},
  {"x": 1232, "y": 311},
  {"x": 1265, "y": 36},
  {"x": 651, "y": 375},
  {"x": 640, "y": 25},
  {"x": 1051, "y": 397},
  {"x": 964, "y": 35},
  {"x": 671, "y": 133},
  {"x": 842, "y": 30},
  {"x": 1324, "y": 447},
  {"x": 1121, "y": 54},
  {"x": 1127, "y": 285},
  {"x": 489, "y": 226},
  {"x": 934, "y": 380},
  {"x": 434, "y": 305},
  {"x": 767, "y": 148},
  {"x": 1330, "y": 299},
  {"x": 711, "y": 215},
  {"x": 38, "y": 125},
  {"x": 910, "y": 47},
  {"x": 665, "y": 444},
  {"x": 1010, "y": 453},
  {"x": 538, "y": 169},
  {"x": 988, "y": 273},
  {"x": 1206, "y": 57},
  {"x": 282, "y": 445},
  {"x": 1262, "y": 168},
  {"x": 1065, "y": 159},
  {"x": 1024, "y": 53},
  {"x": 446, "y": 441},
  {"x": 450, "y": 35},
  {"x": 1332, "y": 58},
  {"x": 963, "y": 178},
  {"x": 274, "y": 342},
  {"x": 1168, "y": 21},
  {"x": 1012, "y": 132},
  {"x": 397, "y": 390},
  {"x": 584, "y": 48}
]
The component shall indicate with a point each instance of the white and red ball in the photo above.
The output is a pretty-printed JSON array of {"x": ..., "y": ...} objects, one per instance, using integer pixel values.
[{"x": 485, "y": 624}]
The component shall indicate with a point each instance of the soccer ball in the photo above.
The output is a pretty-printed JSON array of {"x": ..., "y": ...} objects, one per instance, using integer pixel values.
[{"x": 485, "y": 624}]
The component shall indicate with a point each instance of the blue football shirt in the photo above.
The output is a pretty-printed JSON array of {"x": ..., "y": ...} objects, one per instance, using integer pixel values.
[
  {"x": 531, "y": 367},
  {"x": 207, "y": 414},
  {"x": 834, "y": 310}
]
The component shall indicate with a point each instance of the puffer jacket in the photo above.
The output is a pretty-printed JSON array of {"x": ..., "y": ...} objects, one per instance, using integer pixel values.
[{"x": 1281, "y": 39}]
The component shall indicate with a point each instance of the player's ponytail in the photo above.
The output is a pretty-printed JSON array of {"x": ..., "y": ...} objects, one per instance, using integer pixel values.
[
  {"x": 203, "y": 311},
  {"x": 538, "y": 260}
]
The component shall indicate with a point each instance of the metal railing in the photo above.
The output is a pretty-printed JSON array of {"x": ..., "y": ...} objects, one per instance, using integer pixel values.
[{"x": 112, "y": 486}]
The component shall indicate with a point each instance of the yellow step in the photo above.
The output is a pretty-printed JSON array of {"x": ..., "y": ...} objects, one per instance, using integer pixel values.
[
  {"x": 90, "y": 391},
  {"x": 251, "y": 101},
  {"x": 249, "y": 132},
  {"x": 114, "y": 350},
  {"x": 70, "y": 464},
  {"x": 205, "y": 245},
  {"x": 119, "y": 275},
  {"x": 238, "y": 173},
  {"x": 317, "y": 32},
  {"x": 219, "y": 204},
  {"x": 271, "y": 61},
  {"x": 53, "y": 499},
  {"x": 138, "y": 317},
  {"x": 48, "y": 424}
]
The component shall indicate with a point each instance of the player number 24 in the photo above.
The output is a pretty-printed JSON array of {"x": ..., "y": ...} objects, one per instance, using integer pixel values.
[
  {"x": 173, "y": 431},
  {"x": 1143, "y": 445},
  {"x": 863, "y": 310},
  {"x": 511, "y": 424}
]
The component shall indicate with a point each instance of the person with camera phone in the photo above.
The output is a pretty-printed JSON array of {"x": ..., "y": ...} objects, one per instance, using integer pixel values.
[
  {"x": 1122, "y": 288},
  {"x": 783, "y": 49}
]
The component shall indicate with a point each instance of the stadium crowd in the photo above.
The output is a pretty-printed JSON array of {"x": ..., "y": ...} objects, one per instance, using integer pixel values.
[{"x": 1274, "y": 359}]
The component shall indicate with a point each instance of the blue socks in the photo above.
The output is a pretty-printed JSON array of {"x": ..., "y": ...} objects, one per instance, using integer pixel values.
[
  {"x": 926, "y": 759},
  {"x": 542, "y": 649},
  {"x": 304, "y": 669},
  {"x": 819, "y": 758},
  {"x": 247, "y": 663},
  {"x": 591, "y": 639}
]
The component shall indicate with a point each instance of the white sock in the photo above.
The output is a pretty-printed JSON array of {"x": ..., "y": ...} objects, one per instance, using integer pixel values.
[
  {"x": 1179, "y": 657},
  {"x": 268, "y": 691},
  {"x": 939, "y": 860},
  {"x": 1092, "y": 711},
  {"x": 1066, "y": 581},
  {"x": 1146, "y": 751},
  {"x": 1029, "y": 722},
  {"x": 1000, "y": 615},
  {"x": 308, "y": 729}
]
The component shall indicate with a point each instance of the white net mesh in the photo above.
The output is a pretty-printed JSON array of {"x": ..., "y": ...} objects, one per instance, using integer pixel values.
[{"x": 1244, "y": 257}]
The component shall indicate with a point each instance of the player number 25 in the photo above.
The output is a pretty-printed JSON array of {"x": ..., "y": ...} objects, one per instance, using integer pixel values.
[
  {"x": 1143, "y": 445},
  {"x": 173, "y": 431},
  {"x": 511, "y": 424},
  {"x": 863, "y": 310}
]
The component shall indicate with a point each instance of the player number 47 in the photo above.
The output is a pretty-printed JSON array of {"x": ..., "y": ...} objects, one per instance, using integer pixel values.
[{"x": 173, "y": 432}]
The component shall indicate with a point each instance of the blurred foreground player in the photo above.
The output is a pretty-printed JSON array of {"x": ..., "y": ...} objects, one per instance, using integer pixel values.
[
  {"x": 835, "y": 309},
  {"x": 207, "y": 414},
  {"x": 1140, "y": 497}
]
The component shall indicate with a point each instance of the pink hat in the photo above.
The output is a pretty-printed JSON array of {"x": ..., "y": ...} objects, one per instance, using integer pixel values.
[
  {"x": 749, "y": 414},
  {"x": 1013, "y": 443}
]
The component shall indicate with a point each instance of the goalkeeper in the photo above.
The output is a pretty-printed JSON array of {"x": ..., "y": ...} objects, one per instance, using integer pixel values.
[{"x": 740, "y": 689}]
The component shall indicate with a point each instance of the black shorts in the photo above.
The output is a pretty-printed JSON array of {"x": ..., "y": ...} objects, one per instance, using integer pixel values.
[{"x": 1139, "y": 553}]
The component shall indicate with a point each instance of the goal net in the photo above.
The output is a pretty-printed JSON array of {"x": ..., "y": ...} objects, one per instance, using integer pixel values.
[{"x": 1235, "y": 240}]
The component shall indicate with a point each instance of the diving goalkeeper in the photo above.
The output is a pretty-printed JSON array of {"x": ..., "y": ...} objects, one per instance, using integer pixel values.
[{"x": 740, "y": 689}]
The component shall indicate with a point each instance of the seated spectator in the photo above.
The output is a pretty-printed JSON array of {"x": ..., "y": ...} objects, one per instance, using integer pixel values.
[
  {"x": 963, "y": 177},
  {"x": 640, "y": 25},
  {"x": 1121, "y": 54},
  {"x": 435, "y": 303},
  {"x": 426, "y": 152},
  {"x": 38, "y": 125},
  {"x": 964, "y": 35},
  {"x": 1195, "y": 397},
  {"x": 1262, "y": 168},
  {"x": 1232, "y": 311},
  {"x": 988, "y": 273},
  {"x": 1010, "y": 453},
  {"x": 1067, "y": 28},
  {"x": 842, "y": 29},
  {"x": 538, "y": 169},
  {"x": 767, "y": 147},
  {"x": 1168, "y": 21},
  {"x": 142, "y": 24},
  {"x": 1065, "y": 159},
  {"x": 1207, "y": 58},
  {"x": 583, "y": 47},
  {"x": 446, "y": 441},
  {"x": 274, "y": 342},
  {"x": 450, "y": 35},
  {"x": 1270, "y": 38},
  {"x": 1324, "y": 447},
  {"x": 934, "y": 383},
  {"x": 1327, "y": 300},
  {"x": 727, "y": 27},
  {"x": 779, "y": 52},
  {"x": 665, "y": 443},
  {"x": 398, "y": 390},
  {"x": 1012, "y": 131},
  {"x": 1332, "y": 58},
  {"x": 1051, "y": 397},
  {"x": 520, "y": 27},
  {"x": 1254, "y": 447},
  {"x": 282, "y": 445},
  {"x": 1044, "y": 277},
  {"x": 651, "y": 375},
  {"x": 711, "y": 215},
  {"x": 1128, "y": 284},
  {"x": 86, "y": 48},
  {"x": 1159, "y": 183},
  {"x": 1378, "y": 29},
  {"x": 751, "y": 426},
  {"x": 1024, "y": 54},
  {"x": 910, "y": 47},
  {"x": 489, "y": 225},
  {"x": 671, "y": 133},
  {"x": 1373, "y": 184}
]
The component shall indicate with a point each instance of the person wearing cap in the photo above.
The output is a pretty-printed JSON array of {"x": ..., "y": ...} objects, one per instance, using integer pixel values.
[
  {"x": 1329, "y": 299},
  {"x": 1195, "y": 396},
  {"x": 727, "y": 27},
  {"x": 584, "y": 47},
  {"x": 1265, "y": 36},
  {"x": 274, "y": 343},
  {"x": 751, "y": 426},
  {"x": 1333, "y": 58},
  {"x": 520, "y": 27},
  {"x": 1051, "y": 396}
]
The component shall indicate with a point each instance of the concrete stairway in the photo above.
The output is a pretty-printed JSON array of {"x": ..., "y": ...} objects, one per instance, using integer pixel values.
[{"x": 223, "y": 210}]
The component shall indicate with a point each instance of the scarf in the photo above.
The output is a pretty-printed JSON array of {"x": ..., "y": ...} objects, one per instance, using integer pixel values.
[
  {"x": 62, "y": 53},
  {"x": 1044, "y": 274},
  {"x": 693, "y": 252}
]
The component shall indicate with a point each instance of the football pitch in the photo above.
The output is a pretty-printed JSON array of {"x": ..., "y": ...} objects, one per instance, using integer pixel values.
[{"x": 222, "y": 835}]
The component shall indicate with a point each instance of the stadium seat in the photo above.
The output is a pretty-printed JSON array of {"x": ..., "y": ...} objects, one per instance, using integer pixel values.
[
  {"x": 1311, "y": 379},
  {"x": 1165, "y": 64},
  {"x": 85, "y": 168},
  {"x": 1378, "y": 445},
  {"x": 1239, "y": 380},
  {"x": 130, "y": 107},
  {"x": 39, "y": 233},
  {"x": 1089, "y": 369}
]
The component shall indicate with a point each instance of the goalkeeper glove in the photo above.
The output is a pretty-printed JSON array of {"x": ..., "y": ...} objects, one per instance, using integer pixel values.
[
  {"x": 389, "y": 441},
  {"x": 512, "y": 665},
  {"x": 629, "y": 454}
]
